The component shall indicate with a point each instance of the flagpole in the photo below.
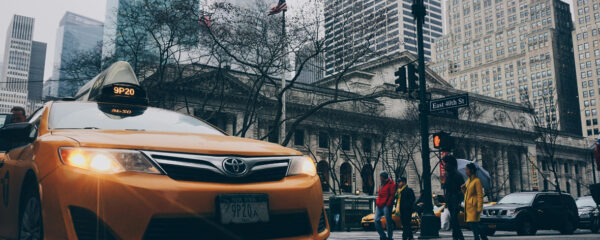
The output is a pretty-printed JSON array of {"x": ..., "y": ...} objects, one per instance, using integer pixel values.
[{"x": 283, "y": 66}]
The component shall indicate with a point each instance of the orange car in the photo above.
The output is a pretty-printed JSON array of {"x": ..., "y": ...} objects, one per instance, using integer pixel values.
[{"x": 105, "y": 169}]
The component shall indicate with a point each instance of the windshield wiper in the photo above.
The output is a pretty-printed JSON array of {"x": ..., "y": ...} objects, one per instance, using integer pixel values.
[{"x": 91, "y": 128}]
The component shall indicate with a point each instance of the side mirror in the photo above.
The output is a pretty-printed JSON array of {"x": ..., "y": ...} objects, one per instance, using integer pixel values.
[
  {"x": 541, "y": 202},
  {"x": 16, "y": 135}
]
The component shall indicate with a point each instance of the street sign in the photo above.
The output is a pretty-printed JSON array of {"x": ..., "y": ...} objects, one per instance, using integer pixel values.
[{"x": 455, "y": 101}]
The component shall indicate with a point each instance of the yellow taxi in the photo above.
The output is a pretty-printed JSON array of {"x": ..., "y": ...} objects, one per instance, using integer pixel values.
[
  {"x": 107, "y": 166},
  {"x": 368, "y": 222}
]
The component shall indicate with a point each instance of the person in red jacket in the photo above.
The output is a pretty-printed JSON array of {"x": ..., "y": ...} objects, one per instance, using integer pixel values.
[{"x": 384, "y": 202}]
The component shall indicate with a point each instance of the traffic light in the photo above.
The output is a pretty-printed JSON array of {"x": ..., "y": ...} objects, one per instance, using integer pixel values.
[
  {"x": 443, "y": 141},
  {"x": 401, "y": 79},
  {"x": 413, "y": 79}
]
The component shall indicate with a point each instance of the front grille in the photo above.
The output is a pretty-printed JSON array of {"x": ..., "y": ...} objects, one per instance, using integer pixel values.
[
  {"x": 192, "y": 167},
  {"x": 279, "y": 226},
  {"x": 88, "y": 226}
]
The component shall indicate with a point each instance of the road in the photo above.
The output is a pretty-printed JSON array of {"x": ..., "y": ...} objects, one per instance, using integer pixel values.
[{"x": 371, "y": 235}]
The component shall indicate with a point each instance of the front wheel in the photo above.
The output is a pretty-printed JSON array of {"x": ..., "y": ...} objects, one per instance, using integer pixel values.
[
  {"x": 490, "y": 232},
  {"x": 526, "y": 228},
  {"x": 30, "y": 217}
]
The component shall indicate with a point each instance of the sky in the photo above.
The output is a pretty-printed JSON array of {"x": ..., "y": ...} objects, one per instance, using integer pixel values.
[{"x": 47, "y": 14}]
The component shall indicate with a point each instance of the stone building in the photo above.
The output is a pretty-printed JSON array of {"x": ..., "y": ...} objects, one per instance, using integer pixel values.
[
  {"x": 516, "y": 50},
  {"x": 375, "y": 129}
]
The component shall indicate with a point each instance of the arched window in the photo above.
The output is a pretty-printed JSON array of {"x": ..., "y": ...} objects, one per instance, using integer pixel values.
[
  {"x": 323, "y": 172},
  {"x": 368, "y": 183},
  {"x": 346, "y": 177}
]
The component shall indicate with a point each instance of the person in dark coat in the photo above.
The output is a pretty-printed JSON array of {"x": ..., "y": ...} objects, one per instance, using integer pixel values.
[
  {"x": 384, "y": 204},
  {"x": 404, "y": 206},
  {"x": 453, "y": 194}
]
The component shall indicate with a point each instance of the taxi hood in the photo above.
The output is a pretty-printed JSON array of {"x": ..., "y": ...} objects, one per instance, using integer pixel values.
[{"x": 175, "y": 142}]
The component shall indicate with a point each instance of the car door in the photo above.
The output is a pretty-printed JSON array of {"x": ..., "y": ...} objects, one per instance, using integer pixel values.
[
  {"x": 12, "y": 173},
  {"x": 542, "y": 211}
]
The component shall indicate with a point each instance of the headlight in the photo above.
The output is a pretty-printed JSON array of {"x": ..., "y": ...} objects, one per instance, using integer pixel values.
[
  {"x": 300, "y": 165},
  {"x": 109, "y": 161},
  {"x": 512, "y": 213},
  {"x": 584, "y": 213}
]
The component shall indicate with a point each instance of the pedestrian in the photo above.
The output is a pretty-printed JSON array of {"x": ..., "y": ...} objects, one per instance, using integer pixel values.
[
  {"x": 473, "y": 201},
  {"x": 384, "y": 203},
  {"x": 404, "y": 207},
  {"x": 18, "y": 115},
  {"x": 453, "y": 194}
]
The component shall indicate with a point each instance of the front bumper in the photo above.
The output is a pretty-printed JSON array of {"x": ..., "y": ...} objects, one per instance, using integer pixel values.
[
  {"x": 500, "y": 223},
  {"x": 147, "y": 206},
  {"x": 585, "y": 222}
]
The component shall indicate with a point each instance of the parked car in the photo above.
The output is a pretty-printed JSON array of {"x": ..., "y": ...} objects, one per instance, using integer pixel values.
[
  {"x": 527, "y": 212},
  {"x": 589, "y": 213}
]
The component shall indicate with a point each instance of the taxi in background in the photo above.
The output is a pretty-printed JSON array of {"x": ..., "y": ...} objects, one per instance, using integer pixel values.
[{"x": 107, "y": 166}]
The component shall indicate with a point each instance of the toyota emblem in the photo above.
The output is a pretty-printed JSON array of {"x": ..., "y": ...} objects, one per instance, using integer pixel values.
[{"x": 235, "y": 166}]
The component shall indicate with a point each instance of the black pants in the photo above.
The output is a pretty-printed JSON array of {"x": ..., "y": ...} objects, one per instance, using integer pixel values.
[
  {"x": 456, "y": 231},
  {"x": 477, "y": 231},
  {"x": 406, "y": 219}
]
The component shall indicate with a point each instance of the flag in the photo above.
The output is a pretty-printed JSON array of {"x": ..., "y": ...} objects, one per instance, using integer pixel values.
[
  {"x": 280, "y": 7},
  {"x": 205, "y": 20}
]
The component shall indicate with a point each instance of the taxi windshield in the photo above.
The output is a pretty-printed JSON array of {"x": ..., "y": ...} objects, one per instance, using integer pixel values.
[{"x": 87, "y": 115}]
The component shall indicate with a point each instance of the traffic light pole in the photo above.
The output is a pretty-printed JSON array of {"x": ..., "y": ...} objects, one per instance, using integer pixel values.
[{"x": 429, "y": 225}]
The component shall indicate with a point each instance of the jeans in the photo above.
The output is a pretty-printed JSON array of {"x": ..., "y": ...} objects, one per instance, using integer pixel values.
[
  {"x": 456, "y": 232},
  {"x": 477, "y": 230},
  {"x": 386, "y": 212}
]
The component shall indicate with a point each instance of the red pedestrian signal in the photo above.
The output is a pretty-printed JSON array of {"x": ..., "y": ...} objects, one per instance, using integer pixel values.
[{"x": 443, "y": 141}]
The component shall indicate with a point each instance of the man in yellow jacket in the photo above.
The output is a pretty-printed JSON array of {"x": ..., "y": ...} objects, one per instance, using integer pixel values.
[{"x": 473, "y": 201}]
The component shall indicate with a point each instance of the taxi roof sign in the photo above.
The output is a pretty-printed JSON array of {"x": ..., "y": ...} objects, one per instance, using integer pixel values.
[
  {"x": 118, "y": 72},
  {"x": 116, "y": 84}
]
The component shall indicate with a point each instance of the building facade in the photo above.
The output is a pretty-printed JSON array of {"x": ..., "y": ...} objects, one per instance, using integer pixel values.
[
  {"x": 313, "y": 69},
  {"x": 586, "y": 46},
  {"x": 76, "y": 34},
  {"x": 358, "y": 31},
  {"x": 515, "y": 50},
  {"x": 17, "y": 53},
  {"x": 353, "y": 141},
  {"x": 37, "y": 65}
]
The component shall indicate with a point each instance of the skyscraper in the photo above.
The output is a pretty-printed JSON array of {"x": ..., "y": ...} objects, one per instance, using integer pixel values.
[
  {"x": 587, "y": 61},
  {"x": 36, "y": 71},
  {"x": 517, "y": 50},
  {"x": 125, "y": 39},
  {"x": 384, "y": 27},
  {"x": 76, "y": 35},
  {"x": 17, "y": 53},
  {"x": 314, "y": 68}
]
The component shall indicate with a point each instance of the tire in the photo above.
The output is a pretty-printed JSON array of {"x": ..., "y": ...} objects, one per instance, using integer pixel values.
[
  {"x": 490, "y": 232},
  {"x": 595, "y": 225},
  {"x": 30, "y": 216},
  {"x": 526, "y": 228},
  {"x": 567, "y": 228}
]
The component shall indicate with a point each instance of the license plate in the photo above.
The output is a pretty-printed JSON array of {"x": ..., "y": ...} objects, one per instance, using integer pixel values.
[
  {"x": 243, "y": 208},
  {"x": 492, "y": 226}
]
